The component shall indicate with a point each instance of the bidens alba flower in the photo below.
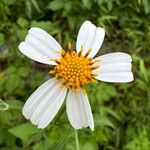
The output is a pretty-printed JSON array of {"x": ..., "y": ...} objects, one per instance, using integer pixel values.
[{"x": 73, "y": 69}]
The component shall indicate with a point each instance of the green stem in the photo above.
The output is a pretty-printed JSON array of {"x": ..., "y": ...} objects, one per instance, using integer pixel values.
[{"x": 76, "y": 140}]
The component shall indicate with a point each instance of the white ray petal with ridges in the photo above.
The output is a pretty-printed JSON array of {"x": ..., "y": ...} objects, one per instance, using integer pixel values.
[
  {"x": 36, "y": 97},
  {"x": 47, "y": 98},
  {"x": 36, "y": 56},
  {"x": 45, "y": 38},
  {"x": 117, "y": 77},
  {"x": 115, "y": 57},
  {"x": 45, "y": 102},
  {"x": 114, "y": 67},
  {"x": 90, "y": 37},
  {"x": 51, "y": 110},
  {"x": 99, "y": 38},
  {"x": 79, "y": 110},
  {"x": 40, "y": 46},
  {"x": 82, "y": 35}
]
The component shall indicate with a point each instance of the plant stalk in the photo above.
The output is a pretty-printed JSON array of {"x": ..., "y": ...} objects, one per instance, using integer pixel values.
[{"x": 77, "y": 140}]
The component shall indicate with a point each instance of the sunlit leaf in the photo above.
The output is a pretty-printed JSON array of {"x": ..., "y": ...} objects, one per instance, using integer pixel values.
[
  {"x": 60, "y": 145},
  {"x": 24, "y": 131},
  {"x": 55, "y": 5},
  {"x": 3, "y": 106}
]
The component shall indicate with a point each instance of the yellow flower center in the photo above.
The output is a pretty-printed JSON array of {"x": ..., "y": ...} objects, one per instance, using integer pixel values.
[{"x": 74, "y": 69}]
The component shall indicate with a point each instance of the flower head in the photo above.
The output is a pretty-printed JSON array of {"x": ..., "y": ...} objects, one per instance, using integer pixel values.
[{"x": 73, "y": 69}]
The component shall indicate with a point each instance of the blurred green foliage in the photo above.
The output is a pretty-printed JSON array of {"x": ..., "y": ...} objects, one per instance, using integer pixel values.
[{"x": 121, "y": 111}]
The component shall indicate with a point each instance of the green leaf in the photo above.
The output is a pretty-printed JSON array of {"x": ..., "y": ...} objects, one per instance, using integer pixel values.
[
  {"x": 56, "y": 5},
  {"x": 110, "y": 5},
  {"x": 88, "y": 146},
  {"x": 105, "y": 92},
  {"x": 2, "y": 39},
  {"x": 25, "y": 131},
  {"x": 9, "y": 2},
  {"x": 42, "y": 24},
  {"x": 104, "y": 121},
  {"x": 143, "y": 70},
  {"x": 112, "y": 113},
  {"x": 20, "y": 34},
  {"x": 13, "y": 82},
  {"x": 60, "y": 144},
  {"x": 35, "y": 4},
  {"x": 28, "y": 8},
  {"x": 22, "y": 22},
  {"x": 139, "y": 142},
  {"x": 15, "y": 104},
  {"x": 10, "y": 70},
  {"x": 6, "y": 117},
  {"x": 72, "y": 22},
  {"x": 3, "y": 106},
  {"x": 146, "y": 4},
  {"x": 87, "y": 3},
  {"x": 23, "y": 72}
]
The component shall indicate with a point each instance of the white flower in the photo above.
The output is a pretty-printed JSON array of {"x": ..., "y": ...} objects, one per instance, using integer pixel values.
[{"x": 72, "y": 71}]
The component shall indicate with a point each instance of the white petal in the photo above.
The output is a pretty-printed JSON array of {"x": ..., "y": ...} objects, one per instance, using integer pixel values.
[
  {"x": 41, "y": 107},
  {"x": 114, "y": 67},
  {"x": 99, "y": 38},
  {"x": 48, "y": 96},
  {"x": 28, "y": 51},
  {"x": 90, "y": 37},
  {"x": 36, "y": 97},
  {"x": 117, "y": 77},
  {"x": 45, "y": 38},
  {"x": 79, "y": 110},
  {"x": 116, "y": 57},
  {"x": 51, "y": 109},
  {"x": 40, "y": 46},
  {"x": 82, "y": 35}
]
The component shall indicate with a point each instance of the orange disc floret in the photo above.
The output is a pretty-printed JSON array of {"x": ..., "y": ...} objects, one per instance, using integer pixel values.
[{"x": 74, "y": 70}]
